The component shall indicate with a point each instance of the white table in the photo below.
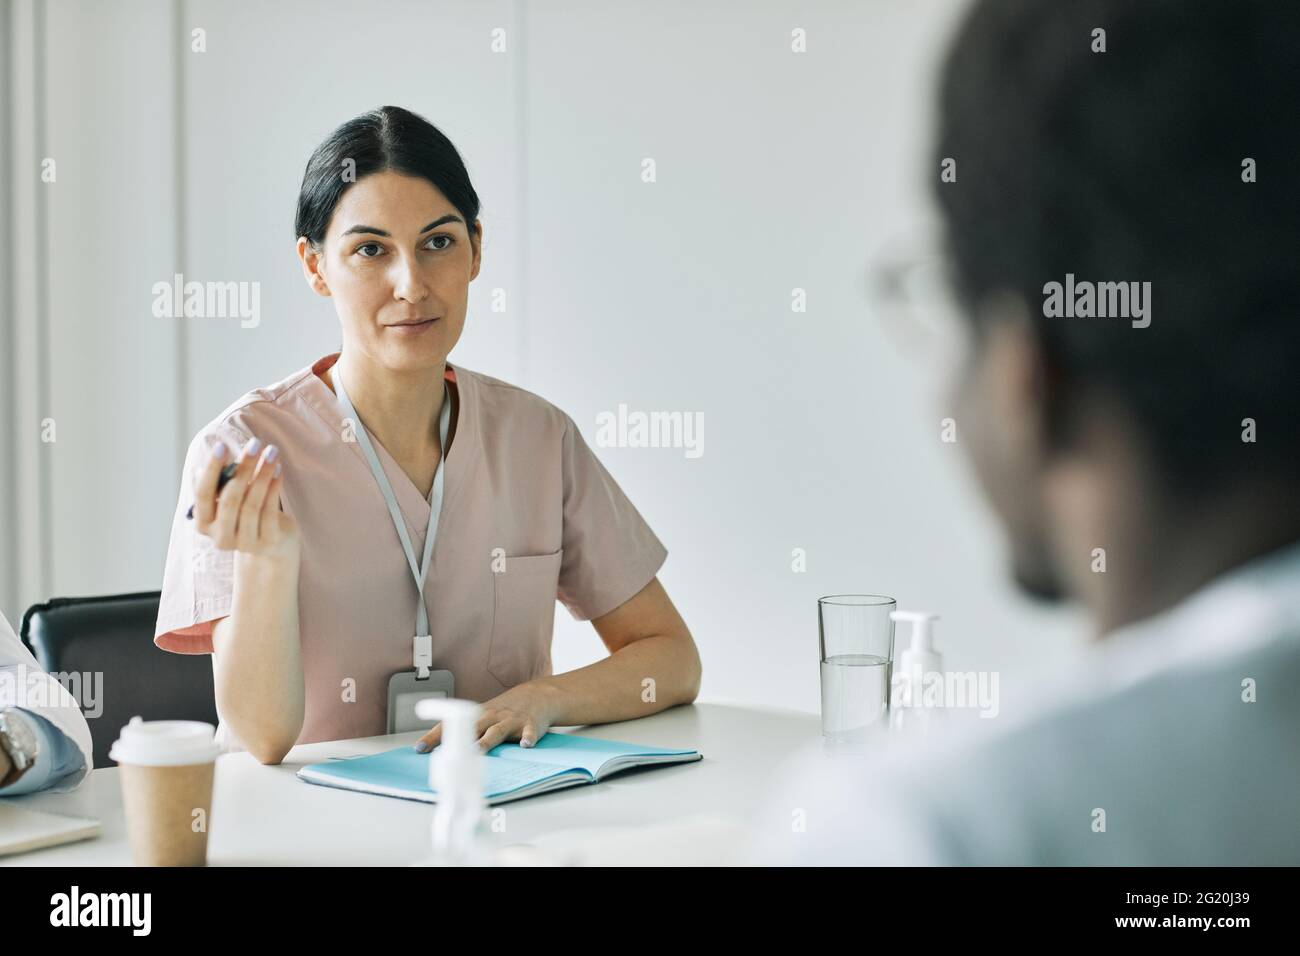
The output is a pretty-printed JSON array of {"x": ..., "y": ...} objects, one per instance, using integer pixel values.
[{"x": 267, "y": 816}]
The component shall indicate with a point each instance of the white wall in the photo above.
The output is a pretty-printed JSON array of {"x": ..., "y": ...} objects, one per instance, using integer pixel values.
[{"x": 775, "y": 170}]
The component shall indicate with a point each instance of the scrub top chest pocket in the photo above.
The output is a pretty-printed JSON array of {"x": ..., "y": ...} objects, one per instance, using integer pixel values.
[{"x": 523, "y": 617}]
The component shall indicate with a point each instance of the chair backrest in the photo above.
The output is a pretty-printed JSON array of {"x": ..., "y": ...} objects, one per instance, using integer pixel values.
[{"x": 106, "y": 644}]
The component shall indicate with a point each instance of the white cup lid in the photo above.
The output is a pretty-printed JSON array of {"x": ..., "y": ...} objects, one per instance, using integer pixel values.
[{"x": 165, "y": 743}]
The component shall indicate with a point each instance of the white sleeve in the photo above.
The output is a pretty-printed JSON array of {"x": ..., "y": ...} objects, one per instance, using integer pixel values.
[
  {"x": 843, "y": 811},
  {"x": 23, "y": 684}
]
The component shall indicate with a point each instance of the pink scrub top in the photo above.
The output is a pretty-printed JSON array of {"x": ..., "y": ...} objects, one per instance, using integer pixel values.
[{"x": 529, "y": 516}]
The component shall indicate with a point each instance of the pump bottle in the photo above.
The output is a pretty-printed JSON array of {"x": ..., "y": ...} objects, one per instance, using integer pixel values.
[
  {"x": 908, "y": 711},
  {"x": 456, "y": 774}
]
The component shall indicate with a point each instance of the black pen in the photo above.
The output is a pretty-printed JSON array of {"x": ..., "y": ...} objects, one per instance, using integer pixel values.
[{"x": 227, "y": 473}]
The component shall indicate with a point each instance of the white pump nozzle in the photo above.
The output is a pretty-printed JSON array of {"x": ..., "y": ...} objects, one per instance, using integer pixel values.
[
  {"x": 459, "y": 718},
  {"x": 920, "y": 621},
  {"x": 455, "y": 774}
]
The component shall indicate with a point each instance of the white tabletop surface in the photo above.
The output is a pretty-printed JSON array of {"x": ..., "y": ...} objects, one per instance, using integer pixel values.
[{"x": 267, "y": 816}]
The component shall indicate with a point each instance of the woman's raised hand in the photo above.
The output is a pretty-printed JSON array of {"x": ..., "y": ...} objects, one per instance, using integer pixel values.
[{"x": 246, "y": 516}]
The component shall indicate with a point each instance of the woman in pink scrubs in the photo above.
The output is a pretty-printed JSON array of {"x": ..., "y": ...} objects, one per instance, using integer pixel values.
[{"x": 300, "y": 576}]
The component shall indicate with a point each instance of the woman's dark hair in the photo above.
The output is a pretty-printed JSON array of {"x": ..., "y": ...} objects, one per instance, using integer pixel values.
[{"x": 385, "y": 138}]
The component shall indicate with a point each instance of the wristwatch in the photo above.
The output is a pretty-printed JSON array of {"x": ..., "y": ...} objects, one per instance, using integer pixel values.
[{"x": 19, "y": 741}]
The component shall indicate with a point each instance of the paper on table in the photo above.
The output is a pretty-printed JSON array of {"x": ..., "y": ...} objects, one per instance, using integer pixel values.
[{"x": 23, "y": 829}]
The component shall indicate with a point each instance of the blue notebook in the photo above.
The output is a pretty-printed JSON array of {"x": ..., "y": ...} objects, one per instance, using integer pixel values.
[{"x": 510, "y": 772}]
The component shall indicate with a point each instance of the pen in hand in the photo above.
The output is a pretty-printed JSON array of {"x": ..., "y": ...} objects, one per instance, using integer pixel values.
[{"x": 227, "y": 473}]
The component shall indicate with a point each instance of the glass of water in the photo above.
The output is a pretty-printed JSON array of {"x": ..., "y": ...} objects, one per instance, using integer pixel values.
[{"x": 857, "y": 655}]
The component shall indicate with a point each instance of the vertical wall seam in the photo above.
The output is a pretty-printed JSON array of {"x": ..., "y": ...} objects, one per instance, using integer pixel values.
[
  {"x": 44, "y": 369},
  {"x": 8, "y": 330},
  {"x": 179, "y": 219}
]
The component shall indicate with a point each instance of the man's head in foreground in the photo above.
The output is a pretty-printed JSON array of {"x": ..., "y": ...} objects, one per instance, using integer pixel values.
[{"x": 1124, "y": 227}]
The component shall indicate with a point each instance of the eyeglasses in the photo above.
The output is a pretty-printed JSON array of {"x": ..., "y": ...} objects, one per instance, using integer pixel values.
[{"x": 911, "y": 290}]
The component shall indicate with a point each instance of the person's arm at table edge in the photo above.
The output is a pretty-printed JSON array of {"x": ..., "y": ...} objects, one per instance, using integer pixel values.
[
  {"x": 257, "y": 658},
  {"x": 57, "y": 756},
  {"x": 646, "y": 638}
]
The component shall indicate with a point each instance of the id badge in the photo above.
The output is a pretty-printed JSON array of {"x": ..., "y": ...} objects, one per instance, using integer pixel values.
[{"x": 405, "y": 690}]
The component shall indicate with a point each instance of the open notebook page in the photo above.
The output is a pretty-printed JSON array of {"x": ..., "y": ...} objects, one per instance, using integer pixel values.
[{"x": 564, "y": 751}]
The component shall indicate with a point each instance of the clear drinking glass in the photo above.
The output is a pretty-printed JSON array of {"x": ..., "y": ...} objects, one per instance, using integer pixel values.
[{"x": 857, "y": 655}]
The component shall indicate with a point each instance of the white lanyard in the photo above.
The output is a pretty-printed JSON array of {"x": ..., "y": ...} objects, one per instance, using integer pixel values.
[{"x": 422, "y": 644}]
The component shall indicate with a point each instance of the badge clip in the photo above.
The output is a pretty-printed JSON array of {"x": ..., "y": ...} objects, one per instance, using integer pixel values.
[{"x": 422, "y": 651}]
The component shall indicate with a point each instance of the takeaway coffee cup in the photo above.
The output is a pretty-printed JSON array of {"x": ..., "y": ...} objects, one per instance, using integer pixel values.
[{"x": 166, "y": 769}]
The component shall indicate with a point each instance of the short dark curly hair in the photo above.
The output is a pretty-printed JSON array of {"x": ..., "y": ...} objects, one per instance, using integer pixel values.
[{"x": 1127, "y": 165}]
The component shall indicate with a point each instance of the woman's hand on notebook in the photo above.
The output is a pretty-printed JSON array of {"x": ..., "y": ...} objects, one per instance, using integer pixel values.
[{"x": 524, "y": 713}]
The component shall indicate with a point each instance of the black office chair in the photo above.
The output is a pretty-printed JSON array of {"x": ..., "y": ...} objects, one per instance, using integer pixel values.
[{"x": 113, "y": 636}]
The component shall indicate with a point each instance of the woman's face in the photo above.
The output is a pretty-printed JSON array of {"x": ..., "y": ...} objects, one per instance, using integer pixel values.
[{"x": 397, "y": 252}]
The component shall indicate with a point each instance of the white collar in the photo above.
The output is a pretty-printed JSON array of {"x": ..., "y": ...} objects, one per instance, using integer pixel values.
[{"x": 1243, "y": 608}]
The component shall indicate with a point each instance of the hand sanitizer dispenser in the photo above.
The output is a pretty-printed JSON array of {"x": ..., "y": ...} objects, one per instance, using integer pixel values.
[
  {"x": 456, "y": 773},
  {"x": 909, "y": 713}
]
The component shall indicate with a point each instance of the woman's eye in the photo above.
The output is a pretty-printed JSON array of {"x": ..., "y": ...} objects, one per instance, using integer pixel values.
[{"x": 377, "y": 249}]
